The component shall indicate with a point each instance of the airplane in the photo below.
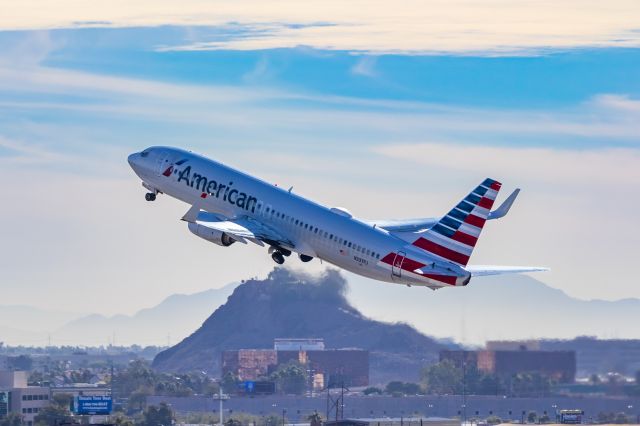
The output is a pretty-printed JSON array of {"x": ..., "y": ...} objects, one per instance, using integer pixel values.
[{"x": 228, "y": 206}]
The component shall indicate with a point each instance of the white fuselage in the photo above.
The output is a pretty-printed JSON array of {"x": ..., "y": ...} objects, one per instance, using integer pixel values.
[{"x": 328, "y": 234}]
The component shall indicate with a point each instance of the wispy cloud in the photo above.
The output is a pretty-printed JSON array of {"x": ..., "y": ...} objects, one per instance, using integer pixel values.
[
  {"x": 491, "y": 27},
  {"x": 365, "y": 66}
]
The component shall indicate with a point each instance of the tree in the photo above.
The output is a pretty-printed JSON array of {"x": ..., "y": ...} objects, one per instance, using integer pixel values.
[
  {"x": 62, "y": 400},
  {"x": 157, "y": 416},
  {"x": 494, "y": 420},
  {"x": 371, "y": 390},
  {"x": 442, "y": 378},
  {"x": 119, "y": 419},
  {"x": 291, "y": 378},
  {"x": 401, "y": 388},
  {"x": 230, "y": 383},
  {"x": 58, "y": 412},
  {"x": 20, "y": 362},
  {"x": 53, "y": 415},
  {"x": 532, "y": 417},
  {"x": 138, "y": 399},
  {"x": 315, "y": 419},
  {"x": 11, "y": 419}
]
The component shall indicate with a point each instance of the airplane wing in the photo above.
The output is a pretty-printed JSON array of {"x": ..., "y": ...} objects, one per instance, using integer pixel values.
[
  {"x": 239, "y": 229},
  {"x": 415, "y": 225},
  {"x": 483, "y": 270}
]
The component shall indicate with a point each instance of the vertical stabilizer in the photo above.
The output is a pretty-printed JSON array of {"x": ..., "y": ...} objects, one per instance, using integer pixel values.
[{"x": 454, "y": 237}]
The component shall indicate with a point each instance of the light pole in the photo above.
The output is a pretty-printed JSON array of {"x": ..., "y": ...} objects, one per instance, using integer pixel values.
[{"x": 220, "y": 398}]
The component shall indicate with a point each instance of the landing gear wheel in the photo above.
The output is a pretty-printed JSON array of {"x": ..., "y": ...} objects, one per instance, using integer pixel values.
[
  {"x": 277, "y": 257},
  {"x": 305, "y": 258},
  {"x": 150, "y": 196}
]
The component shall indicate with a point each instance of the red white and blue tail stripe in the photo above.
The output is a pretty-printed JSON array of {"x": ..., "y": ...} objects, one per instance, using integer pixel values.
[{"x": 454, "y": 237}]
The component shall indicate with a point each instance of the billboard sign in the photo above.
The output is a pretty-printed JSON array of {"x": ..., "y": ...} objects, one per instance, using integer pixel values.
[
  {"x": 5, "y": 402},
  {"x": 93, "y": 404}
]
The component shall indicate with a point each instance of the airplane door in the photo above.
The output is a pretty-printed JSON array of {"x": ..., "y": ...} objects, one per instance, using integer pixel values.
[{"x": 396, "y": 267}]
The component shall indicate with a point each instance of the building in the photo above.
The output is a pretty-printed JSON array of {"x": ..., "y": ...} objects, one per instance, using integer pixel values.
[
  {"x": 558, "y": 365},
  {"x": 308, "y": 344},
  {"x": 513, "y": 345},
  {"x": 249, "y": 364},
  {"x": 21, "y": 398},
  {"x": 324, "y": 366}
]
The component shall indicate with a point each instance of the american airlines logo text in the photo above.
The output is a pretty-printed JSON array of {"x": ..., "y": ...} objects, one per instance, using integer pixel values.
[{"x": 218, "y": 190}]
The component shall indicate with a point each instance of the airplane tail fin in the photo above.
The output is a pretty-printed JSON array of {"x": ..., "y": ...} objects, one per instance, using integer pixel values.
[{"x": 455, "y": 235}]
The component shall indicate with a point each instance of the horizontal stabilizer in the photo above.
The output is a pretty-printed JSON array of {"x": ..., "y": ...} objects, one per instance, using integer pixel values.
[{"x": 483, "y": 270}]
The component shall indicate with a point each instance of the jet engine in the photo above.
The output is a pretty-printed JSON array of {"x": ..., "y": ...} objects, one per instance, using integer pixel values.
[{"x": 211, "y": 235}]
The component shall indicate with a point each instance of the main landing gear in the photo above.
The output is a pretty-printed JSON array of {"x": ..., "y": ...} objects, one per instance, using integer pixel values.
[
  {"x": 150, "y": 196},
  {"x": 277, "y": 257}
]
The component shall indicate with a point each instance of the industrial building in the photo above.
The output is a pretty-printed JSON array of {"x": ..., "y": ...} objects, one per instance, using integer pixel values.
[
  {"x": 506, "y": 359},
  {"x": 325, "y": 366}
]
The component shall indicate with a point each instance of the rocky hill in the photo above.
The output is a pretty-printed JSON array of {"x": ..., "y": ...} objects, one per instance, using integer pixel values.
[{"x": 291, "y": 305}]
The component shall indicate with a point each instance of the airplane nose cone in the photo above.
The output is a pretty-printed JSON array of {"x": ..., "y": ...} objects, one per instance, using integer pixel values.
[{"x": 134, "y": 160}]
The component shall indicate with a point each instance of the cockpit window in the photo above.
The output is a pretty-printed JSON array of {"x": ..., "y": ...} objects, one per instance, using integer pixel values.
[{"x": 145, "y": 153}]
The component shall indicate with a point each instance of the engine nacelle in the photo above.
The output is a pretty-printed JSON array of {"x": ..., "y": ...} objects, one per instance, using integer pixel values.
[{"x": 211, "y": 235}]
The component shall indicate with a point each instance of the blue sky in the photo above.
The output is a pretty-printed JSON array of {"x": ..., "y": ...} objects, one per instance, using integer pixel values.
[{"x": 388, "y": 118}]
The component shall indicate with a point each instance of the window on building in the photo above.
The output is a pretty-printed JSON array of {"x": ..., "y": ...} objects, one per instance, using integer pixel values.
[{"x": 349, "y": 245}]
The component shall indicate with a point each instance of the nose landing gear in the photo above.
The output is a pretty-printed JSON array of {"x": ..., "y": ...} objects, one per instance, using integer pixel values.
[{"x": 150, "y": 196}]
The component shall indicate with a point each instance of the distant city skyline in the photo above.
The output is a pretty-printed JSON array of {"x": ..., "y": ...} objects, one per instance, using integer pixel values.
[{"x": 392, "y": 113}]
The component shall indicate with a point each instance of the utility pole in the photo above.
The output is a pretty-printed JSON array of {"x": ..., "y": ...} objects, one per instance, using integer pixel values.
[
  {"x": 220, "y": 398},
  {"x": 464, "y": 387}
]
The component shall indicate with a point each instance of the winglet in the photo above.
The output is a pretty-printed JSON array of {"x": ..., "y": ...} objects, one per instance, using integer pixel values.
[{"x": 505, "y": 206}]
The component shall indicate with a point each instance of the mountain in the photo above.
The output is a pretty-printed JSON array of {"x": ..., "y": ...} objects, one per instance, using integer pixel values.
[
  {"x": 287, "y": 304},
  {"x": 27, "y": 325},
  {"x": 174, "y": 318},
  {"x": 495, "y": 308}
]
